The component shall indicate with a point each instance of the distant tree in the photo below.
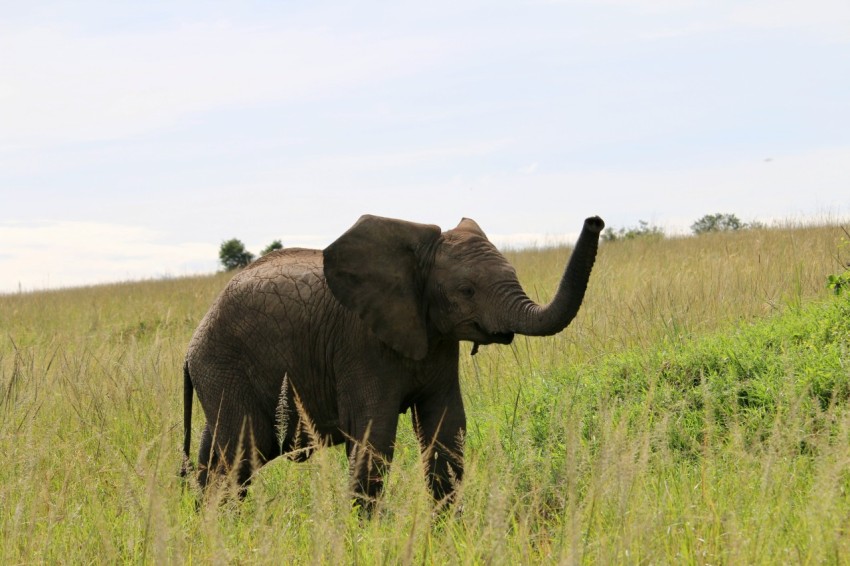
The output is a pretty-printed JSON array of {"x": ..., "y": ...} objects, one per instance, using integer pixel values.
[
  {"x": 233, "y": 254},
  {"x": 275, "y": 245},
  {"x": 718, "y": 222},
  {"x": 644, "y": 229}
]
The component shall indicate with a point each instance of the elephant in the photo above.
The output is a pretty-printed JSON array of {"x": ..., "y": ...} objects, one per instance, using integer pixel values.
[{"x": 307, "y": 348}]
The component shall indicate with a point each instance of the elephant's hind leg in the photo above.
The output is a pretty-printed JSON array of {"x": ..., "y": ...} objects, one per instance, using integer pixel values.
[
  {"x": 207, "y": 457},
  {"x": 235, "y": 452}
]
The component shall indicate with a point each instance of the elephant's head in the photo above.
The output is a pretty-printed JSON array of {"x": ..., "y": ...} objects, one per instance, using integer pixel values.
[{"x": 410, "y": 283}]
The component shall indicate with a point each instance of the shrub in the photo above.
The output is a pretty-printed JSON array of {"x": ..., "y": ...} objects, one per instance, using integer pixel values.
[
  {"x": 233, "y": 254},
  {"x": 275, "y": 245},
  {"x": 719, "y": 222},
  {"x": 643, "y": 229},
  {"x": 840, "y": 282}
]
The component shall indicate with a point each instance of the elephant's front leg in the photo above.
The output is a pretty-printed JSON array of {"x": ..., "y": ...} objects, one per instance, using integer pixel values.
[
  {"x": 370, "y": 452},
  {"x": 440, "y": 425}
]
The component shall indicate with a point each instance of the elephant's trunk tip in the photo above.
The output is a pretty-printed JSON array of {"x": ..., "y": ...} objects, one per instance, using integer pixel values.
[{"x": 594, "y": 224}]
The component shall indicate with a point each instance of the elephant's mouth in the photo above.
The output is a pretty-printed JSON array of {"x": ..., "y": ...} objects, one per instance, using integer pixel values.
[
  {"x": 503, "y": 338},
  {"x": 492, "y": 337}
]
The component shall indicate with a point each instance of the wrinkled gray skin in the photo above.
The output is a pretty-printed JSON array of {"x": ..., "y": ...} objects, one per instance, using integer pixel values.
[{"x": 357, "y": 334}]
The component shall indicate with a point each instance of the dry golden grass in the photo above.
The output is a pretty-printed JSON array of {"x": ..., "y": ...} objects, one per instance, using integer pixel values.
[
  {"x": 648, "y": 288},
  {"x": 561, "y": 468}
]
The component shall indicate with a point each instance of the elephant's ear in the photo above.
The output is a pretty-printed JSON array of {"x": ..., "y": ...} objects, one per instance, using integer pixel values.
[
  {"x": 470, "y": 225},
  {"x": 374, "y": 270}
]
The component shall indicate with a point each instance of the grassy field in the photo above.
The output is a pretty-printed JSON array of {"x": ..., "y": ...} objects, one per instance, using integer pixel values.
[{"x": 696, "y": 411}]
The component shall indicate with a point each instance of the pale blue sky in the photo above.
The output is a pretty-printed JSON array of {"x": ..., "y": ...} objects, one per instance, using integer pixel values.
[{"x": 136, "y": 136}]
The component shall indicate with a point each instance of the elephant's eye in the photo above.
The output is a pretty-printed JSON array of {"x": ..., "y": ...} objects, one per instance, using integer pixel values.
[{"x": 467, "y": 291}]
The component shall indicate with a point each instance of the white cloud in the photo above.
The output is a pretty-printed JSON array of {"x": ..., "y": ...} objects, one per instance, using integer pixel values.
[
  {"x": 655, "y": 6},
  {"x": 384, "y": 161},
  {"x": 59, "y": 85},
  {"x": 59, "y": 254},
  {"x": 828, "y": 18},
  {"x": 824, "y": 19}
]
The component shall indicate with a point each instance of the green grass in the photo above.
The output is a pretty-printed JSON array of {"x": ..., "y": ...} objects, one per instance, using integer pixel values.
[{"x": 695, "y": 412}]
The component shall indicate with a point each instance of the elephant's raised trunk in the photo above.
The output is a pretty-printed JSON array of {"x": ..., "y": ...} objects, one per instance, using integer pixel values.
[{"x": 527, "y": 317}]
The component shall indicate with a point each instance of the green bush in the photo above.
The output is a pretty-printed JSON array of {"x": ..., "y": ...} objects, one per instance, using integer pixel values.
[
  {"x": 643, "y": 230},
  {"x": 233, "y": 254},
  {"x": 721, "y": 222},
  {"x": 275, "y": 245}
]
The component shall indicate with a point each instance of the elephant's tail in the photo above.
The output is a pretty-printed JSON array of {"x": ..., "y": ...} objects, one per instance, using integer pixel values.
[{"x": 188, "y": 392}]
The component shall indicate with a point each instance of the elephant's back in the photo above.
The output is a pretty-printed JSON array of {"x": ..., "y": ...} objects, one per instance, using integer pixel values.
[
  {"x": 254, "y": 333},
  {"x": 280, "y": 284},
  {"x": 272, "y": 295},
  {"x": 286, "y": 258}
]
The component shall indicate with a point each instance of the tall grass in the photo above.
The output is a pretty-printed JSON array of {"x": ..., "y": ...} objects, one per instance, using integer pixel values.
[{"x": 695, "y": 411}]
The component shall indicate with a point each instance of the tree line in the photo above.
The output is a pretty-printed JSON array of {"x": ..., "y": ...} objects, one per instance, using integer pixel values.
[
  {"x": 718, "y": 222},
  {"x": 234, "y": 255}
]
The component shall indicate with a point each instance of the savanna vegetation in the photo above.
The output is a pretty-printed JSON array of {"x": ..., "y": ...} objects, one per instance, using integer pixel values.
[
  {"x": 232, "y": 253},
  {"x": 696, "y": 411}
]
